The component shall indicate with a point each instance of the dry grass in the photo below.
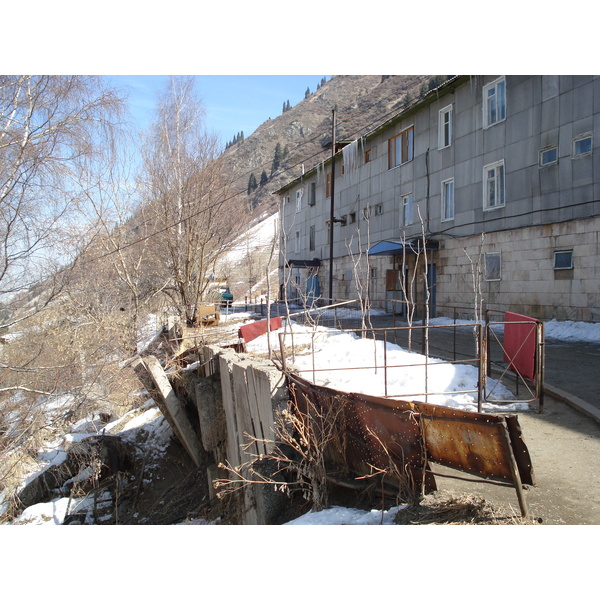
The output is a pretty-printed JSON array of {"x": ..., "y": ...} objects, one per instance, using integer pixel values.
[{"x": 442, "y": 508}]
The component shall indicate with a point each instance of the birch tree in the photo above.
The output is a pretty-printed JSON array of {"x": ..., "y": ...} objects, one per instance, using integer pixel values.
[{"x": 195, "y": 216}]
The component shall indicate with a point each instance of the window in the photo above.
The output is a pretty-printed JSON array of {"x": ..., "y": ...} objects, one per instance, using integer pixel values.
[
  {"x": 445, "y": 127},
  {"x": 297, "y": 242},
  {"x": 343, "y": 221},
  {"x": 328, "y": 186},
  {"x": 368, "y": 156},
  {"x": 548, "y": 156},
  {"x": 352, "y": 218},
  {"x": 582, "y": 145},
  {"x": 373, "y": 272},
  {"x": 494, "y": 102},
  {"x": 379, "y": 209},
  {"x": 407, "y": 209},
  {"x": 366, "y": 212},
  {"x": 311, "y": 238},
  {"x": 563, "y": 259},
  {"x": 312, "y": 196},
  {"x": 400, "y": 148},
  {"x": 298, "y": 200},
  {"x": 493, "y": 266},
  {"x": 448, "y": 200},
  {"x": 493, "y": 181}
]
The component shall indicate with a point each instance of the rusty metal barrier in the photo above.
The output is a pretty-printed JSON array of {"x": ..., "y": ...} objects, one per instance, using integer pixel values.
[
  {"x": 531, "y": 340},
  {"x": 478, "y": 360},
  {"x": 403, "y": 438}
]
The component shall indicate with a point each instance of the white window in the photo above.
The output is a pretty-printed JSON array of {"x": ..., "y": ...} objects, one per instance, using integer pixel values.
[
  {"x": 493, "y": 266},
  {"x": 298, "y": 200},
  {"x": 448, "y": 200},
  {"x": 493, "y": 185},
  {"x": 407, "y": 209},
  {"x": 297, "y": 242},
  {"x": 445, "y": 127},
  {"x": 494, "y": 102},
  {"x": 379, "y": 209},
  {"x": 582, "y": 145},
  {"x": 548, "y": 156},
  {"x": 563, "y": 259}
]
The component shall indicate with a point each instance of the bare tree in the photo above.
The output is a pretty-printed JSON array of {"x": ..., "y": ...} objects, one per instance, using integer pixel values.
[
  {"x": 51, "y": 129},
  {"x": 195, "y": 216}
]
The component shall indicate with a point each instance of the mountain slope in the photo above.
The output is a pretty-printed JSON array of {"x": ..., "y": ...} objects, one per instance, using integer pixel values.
[{"x": 361, "y": 101}]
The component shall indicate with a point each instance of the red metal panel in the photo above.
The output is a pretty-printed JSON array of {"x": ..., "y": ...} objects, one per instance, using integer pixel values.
[
  {"x": 520, "y": 344},
  {"x": 253, "y": 330}
]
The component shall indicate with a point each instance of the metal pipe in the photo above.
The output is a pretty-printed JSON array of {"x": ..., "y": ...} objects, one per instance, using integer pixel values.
[{"x": 331, "y": 217}]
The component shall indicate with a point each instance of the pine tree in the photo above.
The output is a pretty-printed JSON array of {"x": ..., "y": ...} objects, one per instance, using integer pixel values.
[
  {"x": 286, "y": 151},
  {"x": 252, "y": 185},
  {"x": 276, "y": 159},
  {"x": 263, "y": 178},
  {"x": 307, "y": 93}
]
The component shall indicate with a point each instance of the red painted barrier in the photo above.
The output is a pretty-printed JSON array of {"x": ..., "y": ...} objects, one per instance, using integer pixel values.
[
  {"x": 251, "y": 331},
  {"x": 520, "y": 344}
]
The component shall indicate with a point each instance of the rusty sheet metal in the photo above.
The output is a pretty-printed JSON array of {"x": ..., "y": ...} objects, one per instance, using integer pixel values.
[
  {"x": 375, "y": 429},
  {"x": 370, "y": 431}
]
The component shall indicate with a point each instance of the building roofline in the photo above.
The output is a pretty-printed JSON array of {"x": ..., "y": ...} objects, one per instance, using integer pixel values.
[{"x": 431, "y": 96}]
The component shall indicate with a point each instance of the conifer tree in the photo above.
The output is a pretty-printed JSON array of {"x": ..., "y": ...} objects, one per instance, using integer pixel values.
[
  {"x": 252, "y": 185},
  {"x": 276, "y": 158},
  {"x": 263, "y": 178}
]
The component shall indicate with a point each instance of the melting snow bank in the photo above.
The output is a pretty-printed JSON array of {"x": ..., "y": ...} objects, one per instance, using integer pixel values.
[
  {"x": 146, "y": 427},
  {"x": 339, "y": 515},
  {"x": 572, "y": 331},
  {"x": 348, "y": 363}
]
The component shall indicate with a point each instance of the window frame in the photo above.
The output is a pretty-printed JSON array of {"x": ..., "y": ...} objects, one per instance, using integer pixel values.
[
  {"x": 544, "y": 151},
  {"x": 311, "y": 238},
  {"x": 299, "y": 194},
  {"x": 486, "y": 169},
  {"x": 312, "y": 194},
  {"x": 556, "y": 254},
  {"x": 445, "y": 130},
  {"x": 488, "y": 272},
  {"x": 328, "y": 185},
  {"x": 445, "y": 187},
  {"x": 578, "y": 139},
  {"x": 487, "y": 114},
  {"x": 407, "y": 207},
  {"x": 406, "y": 142}
]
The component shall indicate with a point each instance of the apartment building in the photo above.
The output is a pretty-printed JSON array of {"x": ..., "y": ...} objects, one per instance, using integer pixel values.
[{"x": 486, "y": 179}]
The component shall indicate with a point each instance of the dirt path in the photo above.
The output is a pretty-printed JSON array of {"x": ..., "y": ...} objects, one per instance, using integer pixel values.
[{"x": 565, "y": 451}]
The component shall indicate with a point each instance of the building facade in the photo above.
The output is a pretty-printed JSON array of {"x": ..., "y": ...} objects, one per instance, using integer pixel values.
[{"x": 487, "y": 185}]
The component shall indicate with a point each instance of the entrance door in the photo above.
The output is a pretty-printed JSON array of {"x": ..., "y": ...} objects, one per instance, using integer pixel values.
[{"x": 431, "y": 283}]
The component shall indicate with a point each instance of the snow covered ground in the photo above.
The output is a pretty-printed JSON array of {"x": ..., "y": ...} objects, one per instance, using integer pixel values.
[{"x": 453, "y": 385}]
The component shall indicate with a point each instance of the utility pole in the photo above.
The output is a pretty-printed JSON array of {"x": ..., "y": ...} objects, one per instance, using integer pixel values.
[{"x": 331, "y": 217}]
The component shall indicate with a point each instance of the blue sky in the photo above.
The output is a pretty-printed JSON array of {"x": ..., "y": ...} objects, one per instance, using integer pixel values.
[{"x": 233, "y": 103}]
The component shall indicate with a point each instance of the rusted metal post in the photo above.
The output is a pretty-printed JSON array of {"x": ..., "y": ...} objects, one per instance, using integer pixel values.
[
  {"x": 514, "y": 469},
  {"x": 540, "y": 358},
  {"x": 385, "y": 382}
]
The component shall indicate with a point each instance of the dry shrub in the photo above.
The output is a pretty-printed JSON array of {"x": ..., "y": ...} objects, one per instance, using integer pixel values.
[{"x": 442, "y": 508}]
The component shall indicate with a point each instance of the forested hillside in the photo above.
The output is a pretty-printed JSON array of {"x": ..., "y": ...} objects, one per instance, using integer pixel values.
[{"x": 275, "y": 152}]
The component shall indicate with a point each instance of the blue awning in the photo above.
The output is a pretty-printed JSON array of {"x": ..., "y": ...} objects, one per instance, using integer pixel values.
[
  {"x": 393, "y": 247},
  {"x": 390, "y": 248}
]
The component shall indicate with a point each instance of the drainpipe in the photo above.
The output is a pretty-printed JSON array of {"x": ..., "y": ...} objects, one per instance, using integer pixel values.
[{"x": 331, "y": 217}]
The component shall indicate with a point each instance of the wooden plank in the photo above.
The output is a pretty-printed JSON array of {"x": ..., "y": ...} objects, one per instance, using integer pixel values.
[{"x": 183, "y": 428}]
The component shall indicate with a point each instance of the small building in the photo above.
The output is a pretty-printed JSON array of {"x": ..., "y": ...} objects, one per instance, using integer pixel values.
[{"x": 486, "y": 184}]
